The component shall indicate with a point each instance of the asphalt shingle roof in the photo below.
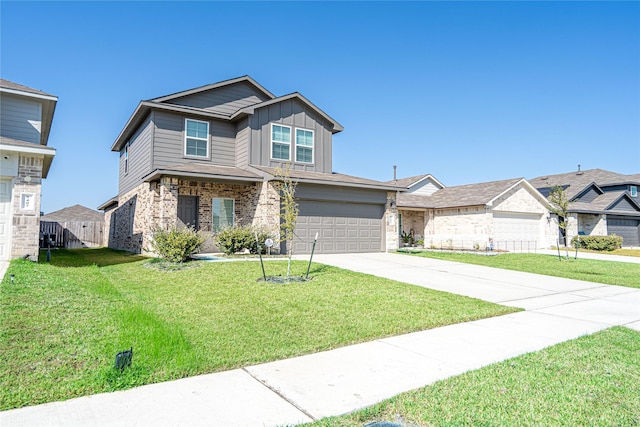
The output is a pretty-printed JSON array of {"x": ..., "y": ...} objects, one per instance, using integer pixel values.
[
  {"x": 462, "y": 195},
  {"x": 15, "y": 86},
  {"x": 74, "y": 213}
]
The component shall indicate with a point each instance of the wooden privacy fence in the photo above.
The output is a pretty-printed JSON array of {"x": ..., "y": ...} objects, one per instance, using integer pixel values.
[{"x": 71, "y": 234}]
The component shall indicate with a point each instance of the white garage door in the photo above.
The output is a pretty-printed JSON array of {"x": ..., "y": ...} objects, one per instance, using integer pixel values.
[
  {"x": 341, "y": 227},
  {"x": 516, "y": 231},
  {"x": 5, "y": 219}
]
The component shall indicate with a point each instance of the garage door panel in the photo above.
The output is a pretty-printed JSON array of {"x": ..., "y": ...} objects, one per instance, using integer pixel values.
[
  {"x": 342, "y": 227},
  {"x": 628, "y": 228}
]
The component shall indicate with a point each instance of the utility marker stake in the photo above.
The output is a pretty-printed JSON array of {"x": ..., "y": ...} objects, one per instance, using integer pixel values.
[{"x": 313, "y": 248}]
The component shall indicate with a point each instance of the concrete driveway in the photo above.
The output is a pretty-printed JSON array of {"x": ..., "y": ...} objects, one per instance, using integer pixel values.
[{"x": 305, "y": 388}]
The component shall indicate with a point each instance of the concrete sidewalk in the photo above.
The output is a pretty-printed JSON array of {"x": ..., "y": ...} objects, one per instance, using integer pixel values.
[{"x": 305, "y": 388}]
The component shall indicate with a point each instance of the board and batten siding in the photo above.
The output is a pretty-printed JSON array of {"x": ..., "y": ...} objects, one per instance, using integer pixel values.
[
  {"x": 223, "y": 100},
  {"x": 242, "y": 143},
  {"x": 169, "y": 141},
  {"x": 139, "y": 158},
  {"x": 21, "y": 119},
  {"x": 295, "y": 114}
]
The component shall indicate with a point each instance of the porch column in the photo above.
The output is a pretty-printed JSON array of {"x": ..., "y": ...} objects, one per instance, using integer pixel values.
[
  {"x": 391, "y": 222},
  {"x": 168, "y": 208}
]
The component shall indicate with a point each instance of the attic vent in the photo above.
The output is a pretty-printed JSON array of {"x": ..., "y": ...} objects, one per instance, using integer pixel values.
[{"x": 579, "y": 171}]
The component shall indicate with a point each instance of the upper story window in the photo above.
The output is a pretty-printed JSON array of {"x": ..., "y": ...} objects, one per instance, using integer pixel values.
[
  {"x": 280, "y": 142},
  {"x": 304, "y": 146},
  {"x": 634, "y": 191},
  {"x": 196, "y": 138},
  {"x": 126, "y": 158}
]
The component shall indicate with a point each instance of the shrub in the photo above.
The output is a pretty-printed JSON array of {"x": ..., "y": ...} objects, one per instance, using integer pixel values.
[
  {"x": 235, "y": 239},
  {"x": 176, "y": 245},
  {"x": 598, "y": 243}
]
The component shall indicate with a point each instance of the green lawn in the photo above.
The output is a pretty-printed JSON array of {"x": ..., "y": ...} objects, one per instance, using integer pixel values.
[
  {"x": 62, "y": 323},
  {"x": 591, "y": 381},
  {"x": 609, "y": 272}
]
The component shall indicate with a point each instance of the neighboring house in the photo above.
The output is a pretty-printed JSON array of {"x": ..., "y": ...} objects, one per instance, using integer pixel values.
[
  {"x": 602, "y": 203},
  {"x": 503, "y": 215},
  {"x": 205, "y": 158},
  {"x": 72, "y": 227},
  {"x": 25, "y": 122}
]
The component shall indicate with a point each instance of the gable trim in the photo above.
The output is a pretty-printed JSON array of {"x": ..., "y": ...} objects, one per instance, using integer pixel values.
[{"x": 535, "y": 193}]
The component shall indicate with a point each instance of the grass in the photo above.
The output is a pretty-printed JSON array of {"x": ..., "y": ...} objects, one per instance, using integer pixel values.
[
  {"x": 62, "y": 323},
  {"x": 593, "y": 380},
  {"x": 620, "y": 251},
  {"x": 608, "y": 272}
]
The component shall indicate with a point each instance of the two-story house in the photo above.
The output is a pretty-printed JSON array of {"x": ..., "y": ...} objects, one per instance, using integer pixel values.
[
  {"x": 25, "y": 123},
  {"x": 205, "y": 157},
  {"x": 601, "y": 202}
]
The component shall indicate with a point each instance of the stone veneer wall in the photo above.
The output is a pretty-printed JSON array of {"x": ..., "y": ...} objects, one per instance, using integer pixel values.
[
  {"x": 391, "y": 222},
  {"x": 592, "y": 224},
  {"x": 25, "y": 233},
  {"x": 459, "y": 228},
  {"x": 414, "y": 220}
]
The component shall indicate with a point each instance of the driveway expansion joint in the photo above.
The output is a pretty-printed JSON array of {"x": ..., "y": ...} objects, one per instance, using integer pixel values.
[{"x": 279, "y": 394}]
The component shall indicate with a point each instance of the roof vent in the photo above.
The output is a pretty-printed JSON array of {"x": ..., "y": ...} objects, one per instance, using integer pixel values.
[{"x": 579, "y": 171}]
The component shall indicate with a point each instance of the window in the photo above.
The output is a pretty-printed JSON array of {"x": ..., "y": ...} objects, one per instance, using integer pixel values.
[
  {"x": 304, "y": 146},
  {"x": 126, "y": 158},
  {"x": 634, "y": 191},
  {"x": 222, "y": 213},
  {"x": 280, "y": 142},
  {"x": 196, "y": 138}
]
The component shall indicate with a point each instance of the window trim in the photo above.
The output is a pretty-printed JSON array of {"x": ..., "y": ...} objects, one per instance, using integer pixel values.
[
  {"x": 633, "y": 189},
  {"x": 288, "y": 159},
  {"x": 313, "y": 146},
  {"x": 233, "y": 213},
  {"x": 186, "y": 137},
  {"x": 126, "y": 157}
]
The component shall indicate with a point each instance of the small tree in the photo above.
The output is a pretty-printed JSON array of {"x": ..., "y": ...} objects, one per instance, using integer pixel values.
[
  {"x": 288, "y": 208},
  {"x": 559, "y": 205}
]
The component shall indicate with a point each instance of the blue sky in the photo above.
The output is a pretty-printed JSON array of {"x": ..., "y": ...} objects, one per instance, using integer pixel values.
[{"x": 467, "y": 91}]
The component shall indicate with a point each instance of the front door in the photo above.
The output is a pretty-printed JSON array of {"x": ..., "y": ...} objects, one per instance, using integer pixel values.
[{"x": 188, "y": 211}]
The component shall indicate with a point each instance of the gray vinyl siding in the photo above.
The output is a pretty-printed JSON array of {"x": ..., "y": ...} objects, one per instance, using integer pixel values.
[
  {"x": 139, "y": 157},
  {"x": 295, "y": 114},
  {"x": 224, "y": 100},
  {"x": 589, "y": 195},
  {"x": 20, "y": 119},
  {"x": 169, "y": 141},
  {"x": 624, "y": 205},
  {"x": 340, "y": 194},
  {"x": 425, "y": 188},
  {"x": 242, "y": 143}
]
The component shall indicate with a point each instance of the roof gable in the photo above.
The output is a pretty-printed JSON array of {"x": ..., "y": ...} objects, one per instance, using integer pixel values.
[
  {"x": 214, "y": 86},
  {"x": 225, "y": 99},
  {"x": 615, "y": 201},
  {"x": 47, "y": 101}
]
